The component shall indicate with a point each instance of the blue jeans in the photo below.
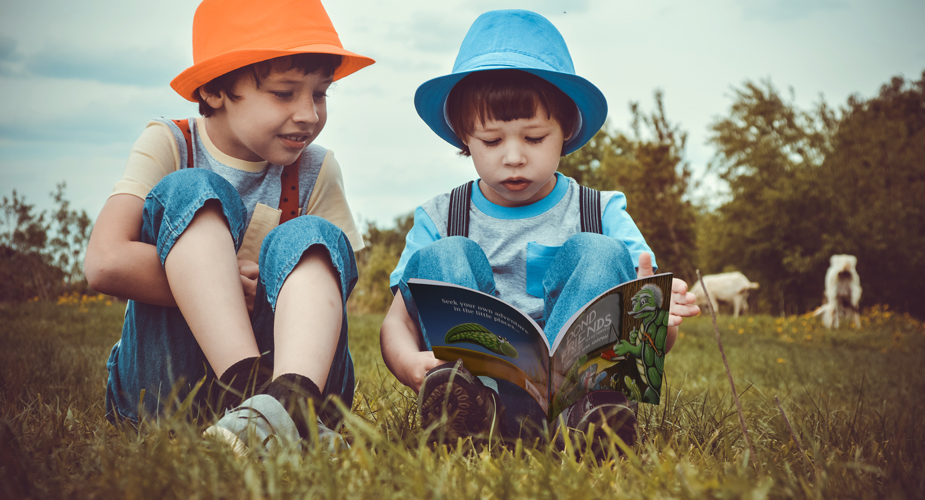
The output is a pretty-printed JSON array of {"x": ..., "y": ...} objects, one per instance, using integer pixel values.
[
  {"x": 158, "y": 354},
  {"x": 584, "y": 267}
]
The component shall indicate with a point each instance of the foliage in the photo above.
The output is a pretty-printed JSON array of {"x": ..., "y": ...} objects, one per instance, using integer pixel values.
[
  {"x": 376, "y": 263},
  {"x": 876, "y": 178},
  {"x": 809, "y": 184},
  {"x": 853, "y": 398},
  {"x": 651, "y": 171},
  {"x": 40, "y": 252}
]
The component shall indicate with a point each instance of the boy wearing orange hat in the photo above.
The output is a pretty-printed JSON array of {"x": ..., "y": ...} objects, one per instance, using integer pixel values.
[
  {"x": 231, "y": 236},
  {"x": 522, "y": 232}
]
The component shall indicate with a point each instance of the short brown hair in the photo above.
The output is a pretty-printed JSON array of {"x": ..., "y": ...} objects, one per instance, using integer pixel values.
[
  {"x": 506, "y": 95},
  {"x": 308, "y": 63}
]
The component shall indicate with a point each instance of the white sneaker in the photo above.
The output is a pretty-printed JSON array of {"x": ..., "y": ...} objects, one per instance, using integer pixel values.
[{"x": 262, "y": 421}]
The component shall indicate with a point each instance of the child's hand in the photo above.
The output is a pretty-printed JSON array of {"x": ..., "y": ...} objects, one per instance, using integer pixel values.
[
  {"x": 415, "y": 367},
  {"x": 682, "y": 301},
  {"x": 249, "y": 274}
]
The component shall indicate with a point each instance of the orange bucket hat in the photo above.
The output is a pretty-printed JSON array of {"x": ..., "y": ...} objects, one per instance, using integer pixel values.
[{"x": 230, "y": 34}]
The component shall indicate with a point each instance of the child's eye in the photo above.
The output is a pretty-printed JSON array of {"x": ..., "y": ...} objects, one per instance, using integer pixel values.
[
  {"x": 493, "y": 142},
  {"x": 535, "y": 140},
  {"x": 283, "y": 95},
  {"x": 319, "y": 95}
]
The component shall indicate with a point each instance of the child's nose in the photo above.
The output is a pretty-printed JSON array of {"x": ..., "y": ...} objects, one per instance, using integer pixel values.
[
  {"x": 305, "y": 112},
  {"x": 514, "y": 156}
]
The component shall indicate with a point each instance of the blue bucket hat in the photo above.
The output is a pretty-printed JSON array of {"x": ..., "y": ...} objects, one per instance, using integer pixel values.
[{"x": 522, "y": 40}]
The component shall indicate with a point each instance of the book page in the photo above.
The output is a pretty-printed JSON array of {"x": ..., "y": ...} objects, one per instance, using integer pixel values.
[
  {"x": 492, "y": 337},
  {"x": 613, "y": 343}
]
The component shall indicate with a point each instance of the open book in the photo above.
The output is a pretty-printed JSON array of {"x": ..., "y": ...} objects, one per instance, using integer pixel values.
[{"x": 615, "y": 342}]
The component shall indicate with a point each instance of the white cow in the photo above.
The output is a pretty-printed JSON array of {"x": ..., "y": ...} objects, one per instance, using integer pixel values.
[
  {"x": 726, "y": 287},
  {"x": 842, "y": 291}
]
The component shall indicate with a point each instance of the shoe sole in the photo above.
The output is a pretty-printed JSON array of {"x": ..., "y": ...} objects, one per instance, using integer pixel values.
[
  {"x": 228, "y": 437},
  {"x": 463, "y": 400}
]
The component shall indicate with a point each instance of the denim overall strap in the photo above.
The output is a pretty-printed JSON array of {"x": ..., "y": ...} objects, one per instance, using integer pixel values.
[
  {"x": 289, "y": 194},
  {"x": 457, "y": 219},
  {"x": 457, "y": 222},
  {"x": 289, "y": 183},
  {"x": 590, "y": 203},
  {"x": 188, "y": 135}
]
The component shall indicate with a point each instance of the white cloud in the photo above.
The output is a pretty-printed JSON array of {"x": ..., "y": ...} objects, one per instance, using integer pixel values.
[
  {"x": 138, "y": 66},
  {"x": 75, "y": 111}
]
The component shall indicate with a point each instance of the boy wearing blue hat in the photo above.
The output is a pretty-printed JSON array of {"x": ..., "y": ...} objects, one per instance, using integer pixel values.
[{"x": 522, "y": 232}]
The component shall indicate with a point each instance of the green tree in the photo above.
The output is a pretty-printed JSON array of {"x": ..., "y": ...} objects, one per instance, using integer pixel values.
[
  {"x": 808, "y": 184},
  {"x": 875, "y": 176},
  {"x": 775, "y": 225},
  {"x": 375, "y": 263},
  {"x": 40, "y": 253},
  {"x": 649, "y": 168}
]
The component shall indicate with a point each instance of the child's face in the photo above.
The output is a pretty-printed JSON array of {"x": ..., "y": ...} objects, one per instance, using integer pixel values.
[
  {"x": 273, "y": 122},
  {"x": 517, "y": 160}
]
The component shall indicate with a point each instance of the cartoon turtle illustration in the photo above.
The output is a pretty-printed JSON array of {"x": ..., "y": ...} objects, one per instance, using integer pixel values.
[
  {"x": 647, "y": 345},
  {"x": 474, "y": 333}
]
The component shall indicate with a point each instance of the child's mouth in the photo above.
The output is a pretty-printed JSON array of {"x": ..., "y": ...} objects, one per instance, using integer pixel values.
[
  {"x": 515, "y": 184},
  {"x": 294, "y": 141}
]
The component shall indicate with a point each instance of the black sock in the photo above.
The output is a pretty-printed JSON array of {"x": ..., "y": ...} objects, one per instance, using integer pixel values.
[
  {"x": 239, "y": 382},
  {"x": 294, "y": 392}
]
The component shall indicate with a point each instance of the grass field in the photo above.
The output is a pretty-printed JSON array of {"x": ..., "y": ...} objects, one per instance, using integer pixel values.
[{"x": 855, "y": 399}]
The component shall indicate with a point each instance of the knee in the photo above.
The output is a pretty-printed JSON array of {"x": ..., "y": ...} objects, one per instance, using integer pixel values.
[
  {"x": 171, "y": 205},
  {"x": 285, "y": 246},
  {"x": 187, "y": 191},
  {"x": 300, "y": 233},
  {"x": 595, "y": 245},
  {"x": 193, "y": 182},
  {"x": 455, "y": 259},
  {"x": 456, "y": 247},
  {"x": 591, "y": 256},
  {"x": 450, "y": 254}
]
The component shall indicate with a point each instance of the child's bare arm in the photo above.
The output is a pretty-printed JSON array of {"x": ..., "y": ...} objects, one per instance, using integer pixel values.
[
  {"x": 117, "y": 263},
  {"x": 402, "y": 347},
  {"x": 682, "y": 301}
]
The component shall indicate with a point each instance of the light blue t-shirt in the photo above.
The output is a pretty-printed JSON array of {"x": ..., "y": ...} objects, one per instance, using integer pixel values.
[{"x": 521, "y": 242}]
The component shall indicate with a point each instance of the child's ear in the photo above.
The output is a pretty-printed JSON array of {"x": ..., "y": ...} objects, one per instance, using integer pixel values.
[{"x": 215, "y": 101}]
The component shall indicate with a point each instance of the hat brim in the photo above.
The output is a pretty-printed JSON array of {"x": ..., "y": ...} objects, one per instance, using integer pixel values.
[
  {"x": 199, "y": 74},
  {"x": 430, "y": 101}
]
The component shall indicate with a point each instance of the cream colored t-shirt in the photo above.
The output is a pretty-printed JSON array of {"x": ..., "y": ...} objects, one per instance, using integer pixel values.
[{"x": 156, "y": 154}]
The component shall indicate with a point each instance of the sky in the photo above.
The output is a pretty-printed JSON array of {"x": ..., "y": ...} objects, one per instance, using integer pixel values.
[{"x": 80, "y": 80}]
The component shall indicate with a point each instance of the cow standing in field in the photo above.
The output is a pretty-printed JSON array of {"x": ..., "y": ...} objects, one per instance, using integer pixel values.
[
  {"x": 842, "y": 291},
  {"x": 726, "y": 287}
]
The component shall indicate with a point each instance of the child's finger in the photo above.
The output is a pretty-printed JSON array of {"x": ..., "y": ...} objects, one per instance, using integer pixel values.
[
  {"x": 248, "y": 268},
  {"x": 684, "y": 311},
  {"x": 686, "y": 299},
  {"x": 645, "y": 266}
]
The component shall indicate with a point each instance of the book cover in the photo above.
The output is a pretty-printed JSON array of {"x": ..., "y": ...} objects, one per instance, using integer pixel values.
[{"x": 615, "y": 342}]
